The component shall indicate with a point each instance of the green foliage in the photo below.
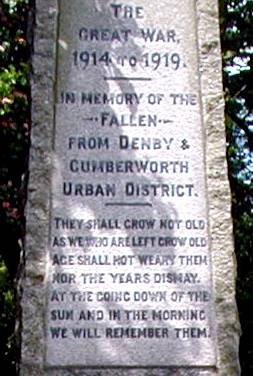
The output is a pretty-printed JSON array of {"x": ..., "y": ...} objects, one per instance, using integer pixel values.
[
  {"x": 14, "y": 145},
  {"x": 237, "y": 48},
  {"x": 7, "y": 318}
]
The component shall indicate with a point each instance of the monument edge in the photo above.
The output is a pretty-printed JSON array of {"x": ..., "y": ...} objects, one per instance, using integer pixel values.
[
  {"x": 33, "y": 281},
  {"x": 218, "y": 189}
]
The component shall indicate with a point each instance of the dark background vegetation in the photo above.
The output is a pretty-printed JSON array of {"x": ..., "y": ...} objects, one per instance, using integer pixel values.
[{"x": 236, "y": 21}]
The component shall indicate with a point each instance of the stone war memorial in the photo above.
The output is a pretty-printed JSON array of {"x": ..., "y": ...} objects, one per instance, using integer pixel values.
[{"x": 129, "y": 266}]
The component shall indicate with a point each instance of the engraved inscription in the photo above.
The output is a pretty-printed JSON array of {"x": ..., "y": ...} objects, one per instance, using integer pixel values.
[{"x": 129, "y": 282}]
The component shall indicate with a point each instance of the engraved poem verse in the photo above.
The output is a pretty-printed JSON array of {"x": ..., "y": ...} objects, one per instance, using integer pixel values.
[{"x": 129, "y": 281}]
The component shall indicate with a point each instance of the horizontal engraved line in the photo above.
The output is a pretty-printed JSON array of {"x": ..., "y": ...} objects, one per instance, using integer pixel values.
[
  {"x": 128, "y": 204},
  {"x": 127, "y": 79}
]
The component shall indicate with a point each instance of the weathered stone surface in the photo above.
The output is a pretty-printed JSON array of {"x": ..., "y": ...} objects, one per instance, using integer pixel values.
[{"x": 76, "y": 54}]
